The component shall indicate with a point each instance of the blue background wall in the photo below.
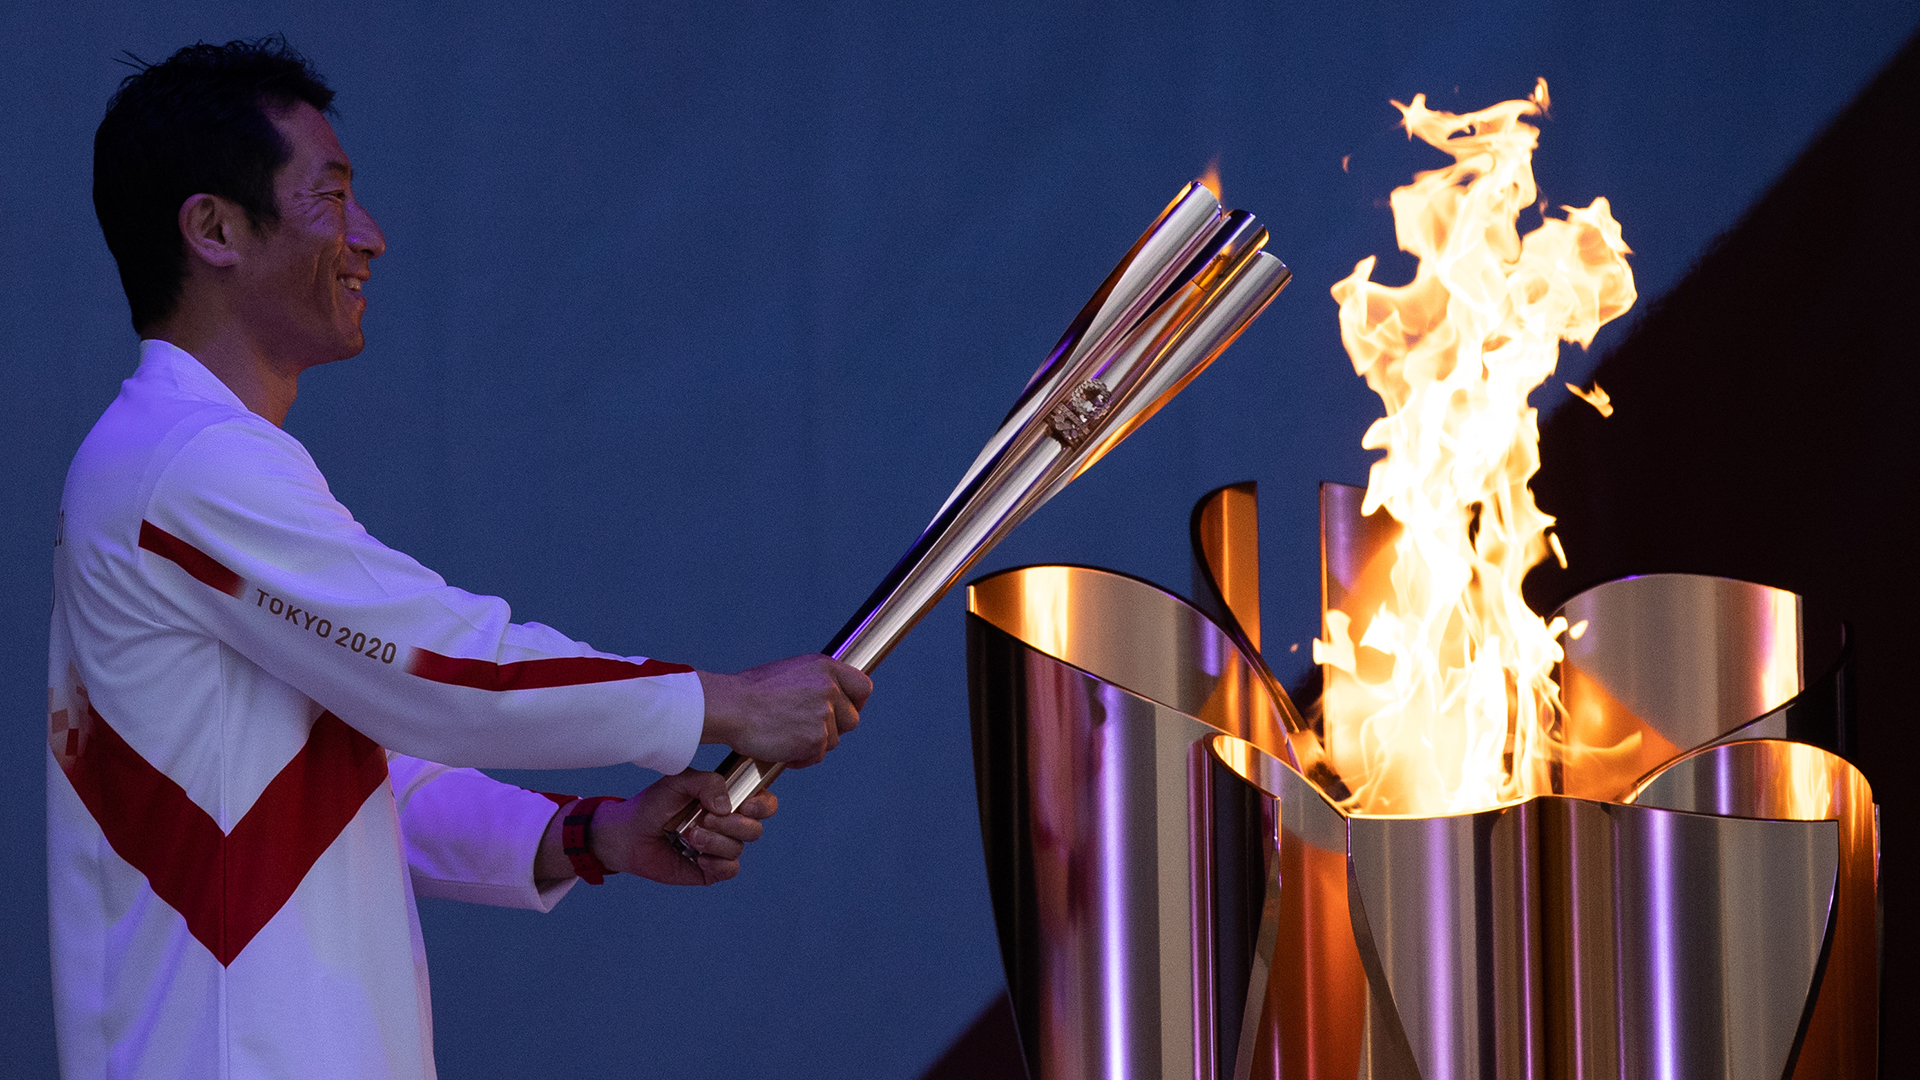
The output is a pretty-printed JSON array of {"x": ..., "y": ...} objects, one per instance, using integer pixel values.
[{"x": 692, "y": 316}]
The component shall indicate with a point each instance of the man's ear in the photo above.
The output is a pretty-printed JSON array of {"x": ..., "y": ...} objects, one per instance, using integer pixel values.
[{"x": 212, "y": 227}]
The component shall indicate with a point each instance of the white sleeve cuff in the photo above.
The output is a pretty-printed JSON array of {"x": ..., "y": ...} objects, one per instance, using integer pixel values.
[
  {"x": 682, "y": 716},
  {"x": 473, "y": 838}
]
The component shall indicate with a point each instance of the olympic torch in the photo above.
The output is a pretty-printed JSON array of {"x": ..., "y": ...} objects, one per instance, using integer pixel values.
[{"x": 1194, "y": 280}]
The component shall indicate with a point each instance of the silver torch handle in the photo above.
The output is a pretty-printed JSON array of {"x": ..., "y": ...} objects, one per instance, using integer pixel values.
[{"x": 1195, "y": 279}]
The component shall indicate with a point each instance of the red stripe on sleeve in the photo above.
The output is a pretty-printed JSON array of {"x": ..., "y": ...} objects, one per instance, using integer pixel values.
[
  {"x": 205, "y": 568},
  {"x": 532, "y": 674}
]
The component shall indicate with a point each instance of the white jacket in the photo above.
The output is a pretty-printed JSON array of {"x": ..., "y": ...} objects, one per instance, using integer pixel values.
[{"x": 247, "y": 696}]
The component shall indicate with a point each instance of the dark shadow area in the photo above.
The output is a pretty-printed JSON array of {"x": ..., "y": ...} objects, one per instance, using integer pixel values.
[
  {"x": 1765, "y": 431},
  {"x": 989, "y": 1049}
]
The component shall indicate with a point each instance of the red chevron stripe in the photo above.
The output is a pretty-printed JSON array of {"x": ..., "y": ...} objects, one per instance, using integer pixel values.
[
  {"x": 532, "y": 674},
  {"x": 226, "y": 885},
  {"x": 204, "y": 567}
]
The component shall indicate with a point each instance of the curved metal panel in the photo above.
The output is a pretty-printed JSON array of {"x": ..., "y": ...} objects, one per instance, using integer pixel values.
[
  {"x": 1095, "y": 836},
  {"x": 1665, "y": 663},
  {"x": 1821, "y": 715},
  {"x": 1117, "y": 628},
  {"x": 1129, "y": 633},
  {"x": 1224, "y": 531},
  {"x": 1356, "y": 553},
  {"x": 1567, "y": 938},
  {"x": 1306, "y": 999},
  {"x": 1777, "y": 779}
]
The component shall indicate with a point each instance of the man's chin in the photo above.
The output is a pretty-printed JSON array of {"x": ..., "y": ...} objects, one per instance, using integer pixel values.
[
  {"x": 345, "y": 348},
  {"x": 351, "y": 345}
]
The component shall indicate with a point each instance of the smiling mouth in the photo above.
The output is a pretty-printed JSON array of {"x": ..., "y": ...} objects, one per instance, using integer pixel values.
[{"x": 352, "y": 284}]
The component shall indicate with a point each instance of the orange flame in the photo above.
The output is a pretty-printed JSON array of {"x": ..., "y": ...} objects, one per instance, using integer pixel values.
[
  {"x": 1446, "y": 702},
  {"x": 1211, "y": 178},
  {"x": 1596, "y": 397}
]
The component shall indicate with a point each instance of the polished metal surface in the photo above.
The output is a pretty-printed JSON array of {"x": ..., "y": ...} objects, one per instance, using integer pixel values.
[
  {"x": 1356, "y": 555},
  {"x": 1129, "y": 633},
  {"x": 1176, "y": 898},
  {"x": 1822, "y": 715},
  {"x": 1556, "y": 937},
  {"x": 1094, "y": 694},
  {"x": 1201, "y": 318},
  {"x": 1664, "y": 663},
  {"x": 1562, "y": 937},
  {"x": 1773, "y": 778},
  {"x": 1305, "y": 1008},
  {"x": 1224, "y": 532},
  {"x": 1178, "y": 316},
  {"x": 1192, "y": 283},
  {"x": 1297, "y": 1012},
  {"x": 1097, "y": 849}
]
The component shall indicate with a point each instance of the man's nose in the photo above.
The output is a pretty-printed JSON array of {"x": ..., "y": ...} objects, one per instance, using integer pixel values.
[{"x": 363, "y": 234}]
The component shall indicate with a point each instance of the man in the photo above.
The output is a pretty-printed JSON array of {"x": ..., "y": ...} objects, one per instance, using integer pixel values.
[{"x": 261, "y": 719}]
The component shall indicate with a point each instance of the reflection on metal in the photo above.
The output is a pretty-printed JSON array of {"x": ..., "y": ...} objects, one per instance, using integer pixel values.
[
  {"x": 1128, "y": 633},
  {"x": 1772, "y": 778},
  {"x": 1306, "y": 1004},
  {"x": 1668, "y": 662},
  {"x": 1093, "y": 836},
  {"x": 1174, "y": 899},
  {"x": 1556, "y": 937},
  {"x": 1225, "y": 534},
  {"x": 1191, "y": 284},
  {"x": 1821, "y": 715},
  {"x": 1356, "y": 554},
  {"x": 1565, "y": 937}
]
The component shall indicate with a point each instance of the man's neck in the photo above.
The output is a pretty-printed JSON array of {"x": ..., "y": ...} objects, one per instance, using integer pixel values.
[{"x": 261, "y": 384}]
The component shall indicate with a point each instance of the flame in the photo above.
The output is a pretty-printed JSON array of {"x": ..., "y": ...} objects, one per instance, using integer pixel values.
[
  {"x": 1211, "y": 178},
  {"x": 1595, "y": 397},
  {"x": 1446, "y": 702}
]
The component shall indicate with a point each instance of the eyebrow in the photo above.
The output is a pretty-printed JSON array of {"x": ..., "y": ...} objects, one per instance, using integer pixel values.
[{"x": 337, "y": 166}]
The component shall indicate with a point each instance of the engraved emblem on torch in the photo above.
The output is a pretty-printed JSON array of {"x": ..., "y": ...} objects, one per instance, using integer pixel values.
[{"x": 1073, "y": 419}]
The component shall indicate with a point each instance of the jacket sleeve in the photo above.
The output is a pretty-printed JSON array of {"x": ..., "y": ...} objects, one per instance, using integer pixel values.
[
  {"x": 242, "y": 539},
  {"x": 470, "y": 837}
]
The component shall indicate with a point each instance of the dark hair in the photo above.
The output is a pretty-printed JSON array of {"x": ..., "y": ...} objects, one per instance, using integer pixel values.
[{"x": 197, "y": 122}]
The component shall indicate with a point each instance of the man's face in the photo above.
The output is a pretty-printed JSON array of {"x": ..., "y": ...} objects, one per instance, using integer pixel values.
[{"x": 304, "y": 273}]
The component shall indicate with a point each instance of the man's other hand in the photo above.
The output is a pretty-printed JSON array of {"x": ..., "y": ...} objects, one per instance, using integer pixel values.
[
  {"x": 790, "y": 711},
  {"x": 630, "y": 836}
]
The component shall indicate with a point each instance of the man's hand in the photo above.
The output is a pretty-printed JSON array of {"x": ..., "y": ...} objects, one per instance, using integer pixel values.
[
  {"x": 630, "y": 836},
  {"x": 790, "y": 711}
]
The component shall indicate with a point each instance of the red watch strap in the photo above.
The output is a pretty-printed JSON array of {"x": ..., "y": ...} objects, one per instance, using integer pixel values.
[{"x": 576, "y": 839}]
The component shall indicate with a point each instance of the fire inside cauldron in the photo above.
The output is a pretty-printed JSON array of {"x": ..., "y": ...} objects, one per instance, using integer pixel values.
[
  {"x": 1617, "y": 841},
  {"x": 1175, "y": 898}
]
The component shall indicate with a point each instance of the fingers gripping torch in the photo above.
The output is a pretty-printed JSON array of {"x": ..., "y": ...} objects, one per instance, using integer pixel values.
[{"x": 1191, "y": 284}]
